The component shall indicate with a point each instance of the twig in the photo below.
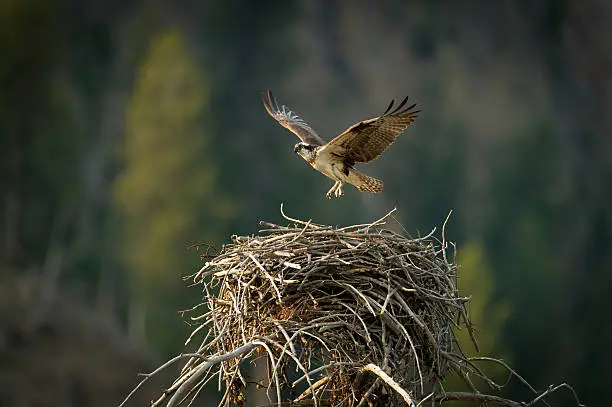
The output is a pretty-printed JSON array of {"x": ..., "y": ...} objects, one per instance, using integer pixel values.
[
  {"x": 387, "y": 379},
  {"x": 368, "y": 392},
  {"x": 147, "y": 376},
  {"x": 315, "y": 386},
  {"x": 301, "y": 222},
  {"x": 552, "y": 389},
  {"x": 478, "y": 398},
  {"x": 178, "y": 395}
]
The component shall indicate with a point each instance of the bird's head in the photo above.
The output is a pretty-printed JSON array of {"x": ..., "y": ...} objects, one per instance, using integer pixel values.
[
  {"x": 305, "y": 150},
  {"x": 298, "y": 147}
]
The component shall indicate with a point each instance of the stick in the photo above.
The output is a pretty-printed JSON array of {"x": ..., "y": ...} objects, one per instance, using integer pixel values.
[
  {"x": 147, "y": 376},
  {"x": 387, "y": 379},
  {"x": 478, "y": 398}
]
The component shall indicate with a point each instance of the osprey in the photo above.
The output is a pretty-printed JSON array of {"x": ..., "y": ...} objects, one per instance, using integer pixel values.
[{"x": 360, "y": 143}]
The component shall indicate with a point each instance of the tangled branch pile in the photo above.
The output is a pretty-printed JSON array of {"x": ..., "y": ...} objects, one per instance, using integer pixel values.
[
  {"x": 359, "y": 312},
  {"x": 351, "y": 316}
]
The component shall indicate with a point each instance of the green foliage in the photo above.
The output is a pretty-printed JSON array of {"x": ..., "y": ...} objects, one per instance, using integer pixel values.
[
  {"x": 432, "y": 179},
  {"x": 524, "y": 239},
  {"x": 39, "y": 142},
  {"x": 488, "y": 313},
  {"x": 167, "y": 194}
]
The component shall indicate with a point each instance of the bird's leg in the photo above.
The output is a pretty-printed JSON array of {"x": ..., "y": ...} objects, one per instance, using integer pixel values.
[
  {"x": 332, "y": 190},
  {"x": 338, "y": 192}
]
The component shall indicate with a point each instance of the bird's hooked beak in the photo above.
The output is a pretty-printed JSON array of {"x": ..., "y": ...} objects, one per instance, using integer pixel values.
[{"x": 297, "y": 148}]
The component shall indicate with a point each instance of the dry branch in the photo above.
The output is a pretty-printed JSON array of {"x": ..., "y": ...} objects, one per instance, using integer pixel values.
[{"x": 350, "y": 316}]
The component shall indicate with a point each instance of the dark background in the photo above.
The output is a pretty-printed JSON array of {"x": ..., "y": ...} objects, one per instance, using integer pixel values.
[{"x": 130, "y": 130}]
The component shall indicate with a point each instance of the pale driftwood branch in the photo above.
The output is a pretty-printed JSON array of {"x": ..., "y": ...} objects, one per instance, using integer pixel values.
[{"x": 370, "y": 367}]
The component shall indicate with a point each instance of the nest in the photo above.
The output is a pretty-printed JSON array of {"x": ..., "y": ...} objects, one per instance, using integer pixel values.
[
  {"x": 341, "y": 316},
  {"x": 351, "y": 316}
]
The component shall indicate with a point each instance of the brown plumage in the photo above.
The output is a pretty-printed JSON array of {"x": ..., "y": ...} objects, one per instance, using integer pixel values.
[{"x": 360, "y": 143}]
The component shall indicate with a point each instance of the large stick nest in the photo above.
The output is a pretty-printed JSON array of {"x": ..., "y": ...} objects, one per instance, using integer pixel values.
[
  {"x": 341, "y": 316},
  {"x": 351, "y": 316}
]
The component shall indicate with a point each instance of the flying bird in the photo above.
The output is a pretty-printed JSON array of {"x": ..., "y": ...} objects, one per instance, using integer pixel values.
[{"x": 360, "y": 143}]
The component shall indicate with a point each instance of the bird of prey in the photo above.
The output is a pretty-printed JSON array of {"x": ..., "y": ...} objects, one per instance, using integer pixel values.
[{"x": 360, "y": 143}]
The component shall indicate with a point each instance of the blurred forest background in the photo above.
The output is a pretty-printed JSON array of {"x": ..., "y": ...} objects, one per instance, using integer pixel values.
[{"x": 130, "y": 130}]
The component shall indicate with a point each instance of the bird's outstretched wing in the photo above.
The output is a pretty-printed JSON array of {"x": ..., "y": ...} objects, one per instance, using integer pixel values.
[
  {"x": 365, "y": 141},
  {"x": 290, "y": 120}
]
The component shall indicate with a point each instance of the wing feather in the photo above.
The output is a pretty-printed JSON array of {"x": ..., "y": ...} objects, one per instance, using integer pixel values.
[
  {"x": 366, "y": 140},
  {"x": 290, "y": 120}
]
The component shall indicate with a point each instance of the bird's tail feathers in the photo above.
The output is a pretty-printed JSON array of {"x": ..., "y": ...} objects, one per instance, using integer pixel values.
[{"x": 364, "y": 183}]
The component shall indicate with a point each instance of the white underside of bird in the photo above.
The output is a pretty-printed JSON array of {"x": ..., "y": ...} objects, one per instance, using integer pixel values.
[{"x": 328, "y": 163}]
